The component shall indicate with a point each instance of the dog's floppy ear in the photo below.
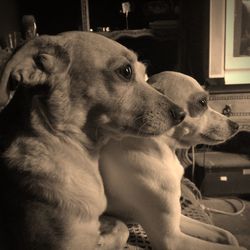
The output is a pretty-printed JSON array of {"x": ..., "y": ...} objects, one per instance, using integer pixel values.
[
  {"x": 36, "y": 69},
  {"x": 5, "y": 56},
  {"x": 31, "y": 65}
]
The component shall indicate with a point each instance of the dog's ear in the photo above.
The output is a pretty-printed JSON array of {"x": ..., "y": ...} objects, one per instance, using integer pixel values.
[
  {"x": 36, "y": 69},
  {"x": 31, "y": 65},
  {"x": 4, "y": 57}
]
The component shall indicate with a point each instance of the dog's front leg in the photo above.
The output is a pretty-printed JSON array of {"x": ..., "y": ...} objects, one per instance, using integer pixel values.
[
  {"x": 168, "y": 237},
  {"x": 161, "y": 221},
  {"x": 206, "y": 231},
  {"x": 164, "y": 231}
]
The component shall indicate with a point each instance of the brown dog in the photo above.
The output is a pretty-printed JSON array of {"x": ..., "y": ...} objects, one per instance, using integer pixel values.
[
  {"x": 69, "y": 87},
  {"x": 142, "y": 176}
]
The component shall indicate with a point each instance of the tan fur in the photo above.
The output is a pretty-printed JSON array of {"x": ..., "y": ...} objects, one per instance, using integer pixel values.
[
  {"x": 142, "y": 175},
  {"x": 73, "y": 94}
]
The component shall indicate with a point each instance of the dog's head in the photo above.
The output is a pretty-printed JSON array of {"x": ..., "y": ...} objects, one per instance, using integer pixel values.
[
  {"x": 97, "y": 75},
  {"x": 202, "y": 124}
]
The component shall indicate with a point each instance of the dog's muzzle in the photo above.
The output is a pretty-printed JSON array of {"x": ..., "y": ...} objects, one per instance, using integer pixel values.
[{"x": 233, "y": 126}]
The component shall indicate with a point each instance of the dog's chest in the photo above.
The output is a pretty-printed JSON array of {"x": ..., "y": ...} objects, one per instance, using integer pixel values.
[
  {"x": 169, "y": 160},
  {"x": 81, "y": 180},
  {"x": 70, "y": 176}
]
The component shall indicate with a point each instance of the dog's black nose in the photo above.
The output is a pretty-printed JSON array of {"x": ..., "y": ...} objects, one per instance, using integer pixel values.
[
  {"x": 233, "y": 125},
  {"x": 177, "y": 114}
]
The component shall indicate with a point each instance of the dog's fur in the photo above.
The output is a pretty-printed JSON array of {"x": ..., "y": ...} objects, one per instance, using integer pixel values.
[
  {"x": 69, "y": 87},
  {"x": 142, "y": 175}
]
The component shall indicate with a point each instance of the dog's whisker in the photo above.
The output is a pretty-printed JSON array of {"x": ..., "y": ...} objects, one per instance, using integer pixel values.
[
  {"x": 139, "y": 130},
  {"x": 138, "y": 118}
]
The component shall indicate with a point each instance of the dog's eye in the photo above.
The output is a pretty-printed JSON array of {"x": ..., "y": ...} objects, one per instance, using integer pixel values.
[
  {"x": 203, "y": 102},
  {"x": 126, "y": 72}
]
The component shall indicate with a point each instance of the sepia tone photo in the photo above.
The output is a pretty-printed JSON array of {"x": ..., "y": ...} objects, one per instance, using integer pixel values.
[{"x": 124, "y": 125}]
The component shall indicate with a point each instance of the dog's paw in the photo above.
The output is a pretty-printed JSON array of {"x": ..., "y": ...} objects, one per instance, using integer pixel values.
[
  {"x": 230, "y": 239},
  {"x": 222, "y": 236},
  {"x": 113, "y": 234}
]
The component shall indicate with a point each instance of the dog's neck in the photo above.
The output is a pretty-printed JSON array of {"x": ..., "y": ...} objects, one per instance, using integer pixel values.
[
  {"x": 170, "y": 142},
  {"x": 156, "y": 143},
  {"x": 45, "y": 111},
  {"x": 55, "y": 104}
]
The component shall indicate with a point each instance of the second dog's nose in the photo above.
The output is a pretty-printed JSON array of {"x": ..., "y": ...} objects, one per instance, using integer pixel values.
[
  {"x": 234, "y": 126},
  {"x": 177, "y": 114}
]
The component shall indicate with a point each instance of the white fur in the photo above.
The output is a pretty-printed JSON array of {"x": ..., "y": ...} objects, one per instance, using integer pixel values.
[{"x": 142, "y": 176}]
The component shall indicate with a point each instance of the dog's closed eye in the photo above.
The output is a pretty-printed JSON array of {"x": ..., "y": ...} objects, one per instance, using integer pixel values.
[{"x": 125, "y": 72}]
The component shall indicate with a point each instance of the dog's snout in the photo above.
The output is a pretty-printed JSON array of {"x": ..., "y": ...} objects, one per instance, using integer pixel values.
[
  {"x": 233, "y": 125},
  {"x": 177, "y": 114}
]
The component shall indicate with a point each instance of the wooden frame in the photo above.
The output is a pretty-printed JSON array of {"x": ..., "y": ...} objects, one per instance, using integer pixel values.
[
  {"x": 216, "y": 38},
  {"x": 225, "y": 60},
  {"x": 85, "y": 15},
  {"x": 237, "y": 67}
]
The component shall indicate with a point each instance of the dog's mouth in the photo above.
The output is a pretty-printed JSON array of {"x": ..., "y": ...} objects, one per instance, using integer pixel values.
[
  {"x": 138, "y": 132},
  {"x": 211, "y": 139}
]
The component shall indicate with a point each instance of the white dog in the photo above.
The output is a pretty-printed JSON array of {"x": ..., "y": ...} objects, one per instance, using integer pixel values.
[{"x": 142, "y": 175}]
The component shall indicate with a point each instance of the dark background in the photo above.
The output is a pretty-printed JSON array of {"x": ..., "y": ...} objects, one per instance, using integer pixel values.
[{"x": 186, "y": 52}]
